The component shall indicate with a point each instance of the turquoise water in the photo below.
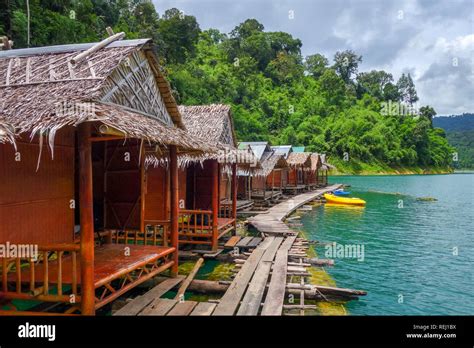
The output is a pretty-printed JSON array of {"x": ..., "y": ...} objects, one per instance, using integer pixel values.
[{"x": 410, "y": 266}]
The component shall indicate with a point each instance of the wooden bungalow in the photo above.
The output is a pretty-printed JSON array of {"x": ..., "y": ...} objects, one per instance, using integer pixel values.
[
  {"x": 76, "y": 188},
  {"x": 280, "y": 175},
  {"x": 275, "y": 171},
  {"x": 312, "y": 175},
  {"x": 210, "y": 180},
  {"x": 323, "y": 171},
  {"x": 267, "y": 179},
  {"x": 300, "y": 164}
]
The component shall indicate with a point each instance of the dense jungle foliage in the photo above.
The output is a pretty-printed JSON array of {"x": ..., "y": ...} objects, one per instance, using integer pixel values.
[{"x": 363, "y": 120}]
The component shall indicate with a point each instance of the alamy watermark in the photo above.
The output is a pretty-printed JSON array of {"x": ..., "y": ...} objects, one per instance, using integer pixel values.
[
  {"x": 392, "y": 108},
  {"x": 345, "y": 251},
  {"x": 232, "y": 156},
  {"x": 24, "y": 251},
  {"x": 66, "y": 108}
]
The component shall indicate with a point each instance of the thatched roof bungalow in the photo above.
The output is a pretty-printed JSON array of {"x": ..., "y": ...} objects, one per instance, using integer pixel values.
[
  {"x": 272, "y": 162},
  {"x": 102, "y": 108},
  {"x": 211, "y": 178},
  {"x": 299, "y": 162}
]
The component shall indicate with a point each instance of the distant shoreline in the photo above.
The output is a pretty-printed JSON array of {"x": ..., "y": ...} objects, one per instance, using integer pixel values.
[{"x": 406, "y": 171}]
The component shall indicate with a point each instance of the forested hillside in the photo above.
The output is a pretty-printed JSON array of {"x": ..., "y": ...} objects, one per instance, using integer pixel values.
[
  {"x": 464, "y": 122},
  {"x": 365, "y": 121},
  {"x": 460, "y": 133}
]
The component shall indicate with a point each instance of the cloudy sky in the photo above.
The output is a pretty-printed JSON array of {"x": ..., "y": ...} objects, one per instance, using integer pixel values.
[{"x": 431, "y": 39}]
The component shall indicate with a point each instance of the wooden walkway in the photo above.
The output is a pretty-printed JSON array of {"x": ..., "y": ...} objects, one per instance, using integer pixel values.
[
  {"x": 267, "y": 267},
  {"x": 271, "y": 223},
  {"x": 260, "y": 285}
]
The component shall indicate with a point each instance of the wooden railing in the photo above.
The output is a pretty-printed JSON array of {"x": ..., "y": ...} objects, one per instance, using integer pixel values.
[
  {"x": 195, "y": 227},
  {"x": 157, "y": 232},
  {"x": 41, "y": 284},
  {"x": 225, "y": 210}
]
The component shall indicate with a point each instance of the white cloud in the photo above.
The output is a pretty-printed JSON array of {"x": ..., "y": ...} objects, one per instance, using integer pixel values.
[{"x": 417, "y": 36}]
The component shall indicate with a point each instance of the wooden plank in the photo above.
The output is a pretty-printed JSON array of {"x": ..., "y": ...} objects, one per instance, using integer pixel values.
[
  {"x": 203, "y": 309},
  {"x": 189, "y": 278},
  {"x": 138, "y": 304},
  {"x": 230, "y": 301},
  {"x": 253, "y": 297},
  {"x": 243, "y": 242},
  {"x": 254, "y": 242},
  {"x": 232, "y": 241},
  {"x": 275, "y": 298},
  {"x": 182, "y": 308},
  {"x": 159, "y": 306}
]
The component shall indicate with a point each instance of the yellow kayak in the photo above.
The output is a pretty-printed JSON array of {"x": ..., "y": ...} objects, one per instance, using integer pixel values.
[{"x": 343, "y": 200}]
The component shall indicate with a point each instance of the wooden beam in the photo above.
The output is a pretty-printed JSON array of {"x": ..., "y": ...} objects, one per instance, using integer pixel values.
[
  {"x": 182, "y": 289},
  {"x": 234, "y": 195},
  {"x": 215, "y": 203},
  {"x": 143, "y": 187},
  {"x": 174, "y": 205},
  {"x": 81, "y": 56},
  {"x": 86, "y": 219}
]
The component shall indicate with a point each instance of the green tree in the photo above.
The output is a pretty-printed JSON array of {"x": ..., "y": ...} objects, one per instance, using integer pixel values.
[
  {"x": 346, "y": 64},
  {"x": 316, "y": 64},
  {"x": 407, "y": 90},
  {"x": 374, "y": 82},
  {"x": 428, "y": 112}
]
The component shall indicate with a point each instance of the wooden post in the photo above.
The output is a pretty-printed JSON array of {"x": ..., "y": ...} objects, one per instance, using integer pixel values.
[
  {"x": 215, "y": 203},
  {"x": 281, "y": 180},
  {"x": 86, "y": 219},
  {"x": 249, "y": 182},
  {"x": 174, "y": 206},
  {"x": 273, "y": 183},
  {"x": 234, "y": 196},
  {"x": 143, "y": 186}
]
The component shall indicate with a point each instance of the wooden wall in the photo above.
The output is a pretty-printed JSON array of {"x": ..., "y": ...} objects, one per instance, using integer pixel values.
[
  {"x": 122, "y": 184},
  {"x": 225, "y": 187},
  {"x": 199, "y": 186},
  {"x": 292, "y": 177},
  {"x": 258, "y": 183},
  {"x": 280, "y": 177},
  {"x": 242, "y": 188},
  {"x": 35, "y": 206},
  {"x": 157, "y": 194}
]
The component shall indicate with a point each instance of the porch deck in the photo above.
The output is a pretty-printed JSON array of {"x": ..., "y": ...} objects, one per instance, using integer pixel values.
[
  {"x": 241, "y": 204},
  {"x": 260, "y": 195},
  {"x": 110, "y": 261},
  {"x": 132, "y": 266},
  {"x": 294, "y": 189}
]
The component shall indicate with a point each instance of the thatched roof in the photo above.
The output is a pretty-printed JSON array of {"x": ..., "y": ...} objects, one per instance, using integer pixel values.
[
  {"x": 274, "y": 161},
  {"x": 299, "y": 159},
  {"x": 315, "y": 161},
  {"x": 325, "y": 165},
  {"x": 120, "y": 85},
  {"x": 7, "y": 133},
  {"x": 212, "y": 123}
]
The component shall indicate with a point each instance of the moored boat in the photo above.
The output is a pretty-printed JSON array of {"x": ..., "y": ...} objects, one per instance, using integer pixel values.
[
  {"x": 330, "y": 198},
  {"x": 341, "y": 192}
]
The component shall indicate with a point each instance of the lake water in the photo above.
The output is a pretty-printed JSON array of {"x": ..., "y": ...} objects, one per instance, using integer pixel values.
[{"x": 418, "y": 255}]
